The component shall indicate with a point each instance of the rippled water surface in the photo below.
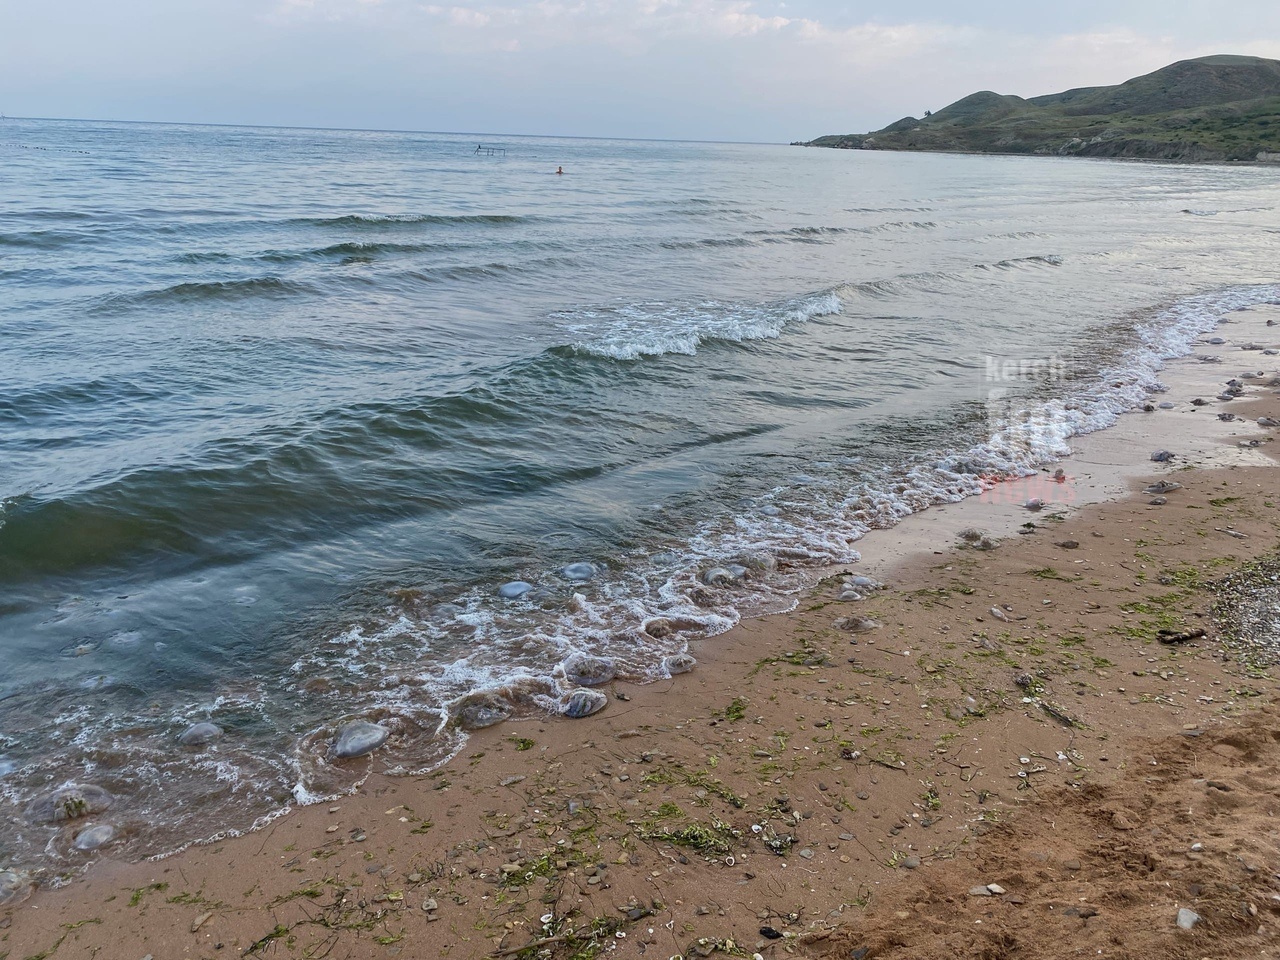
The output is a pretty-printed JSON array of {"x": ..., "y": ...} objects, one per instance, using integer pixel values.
[{"x": 281, "y": 410}]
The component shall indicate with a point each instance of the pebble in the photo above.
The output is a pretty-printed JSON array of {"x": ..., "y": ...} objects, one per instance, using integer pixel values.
[
  {"x": 1187, "y": 918},
  {"x": 1162, "y": 456},
  {"x": 979, "y": 892},
  {"x": 583, "y": 703},
  {"x": 359, "y": 737},
  {"x": 69, "y": 802},
  {"x": 1034, "y": 504},
  {"x": 996, "y": 890},
  {"x": 1165, "y": 405},
  {"x": 589, "y": 671},
  {"x": 578, "y": 572},
  {"x": 807, "y": 853},
  {"x": 91, "y": 838},
  {"x": 198, "y": 734},
  {"x": 911, "y": 863},
  {"x": 514, "y": 589},
  {"x": 1163, "y": 486}
]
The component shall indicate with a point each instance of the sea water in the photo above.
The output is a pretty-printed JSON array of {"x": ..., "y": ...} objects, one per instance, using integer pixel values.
[{"x": 281, "y": 410}]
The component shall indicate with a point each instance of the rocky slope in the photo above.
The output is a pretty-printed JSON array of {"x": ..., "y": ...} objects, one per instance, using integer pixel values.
[{"x": 1208, "y": 109}]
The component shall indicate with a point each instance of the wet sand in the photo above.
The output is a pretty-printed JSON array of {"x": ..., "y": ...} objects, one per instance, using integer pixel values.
[{"x": 1009, "y": 762}]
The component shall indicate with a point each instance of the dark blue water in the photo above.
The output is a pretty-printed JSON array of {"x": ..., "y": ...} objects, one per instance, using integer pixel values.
[{"x": 281, "y": 409}]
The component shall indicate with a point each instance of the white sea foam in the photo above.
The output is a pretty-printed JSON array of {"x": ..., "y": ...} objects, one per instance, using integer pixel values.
[{"x": 652, "y": 329}]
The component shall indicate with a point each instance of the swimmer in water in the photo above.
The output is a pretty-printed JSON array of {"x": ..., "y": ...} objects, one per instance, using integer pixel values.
[{"x": 559, "y": 171}]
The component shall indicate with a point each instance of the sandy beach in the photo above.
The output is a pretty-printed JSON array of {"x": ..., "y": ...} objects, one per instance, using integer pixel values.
[{"x": 1049, "y": 734}]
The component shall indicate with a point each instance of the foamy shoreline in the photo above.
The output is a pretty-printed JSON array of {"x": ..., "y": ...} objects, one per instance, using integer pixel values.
[{"x": 1103, "y": 465}]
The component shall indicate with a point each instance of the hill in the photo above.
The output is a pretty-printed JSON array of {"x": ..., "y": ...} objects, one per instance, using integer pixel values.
[{"x": 1208, "y": 109}]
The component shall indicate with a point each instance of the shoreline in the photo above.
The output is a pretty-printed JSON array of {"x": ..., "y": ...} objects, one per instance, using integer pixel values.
[
  {"x": 646, "y": 822},
  {"x": 1267, "y": 164}
]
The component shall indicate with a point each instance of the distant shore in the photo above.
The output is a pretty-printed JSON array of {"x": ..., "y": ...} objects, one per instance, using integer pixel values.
[
  {"x": 1271, "y": 161},
  {"x": 1036, "y": 741}
]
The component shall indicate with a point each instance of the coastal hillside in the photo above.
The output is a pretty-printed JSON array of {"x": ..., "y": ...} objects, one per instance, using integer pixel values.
[{"x": 1211, "y": 108}]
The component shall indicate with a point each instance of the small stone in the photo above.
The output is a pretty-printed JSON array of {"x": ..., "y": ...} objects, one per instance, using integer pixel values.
[
  {"x": 1162, "y": 456},
  {"x": 514, "y": 589},
  {"x": 430, "y": 905},
  {"x": 1187, "y": 918},
  {"x": 996, "y": 889},
  {"x": 358, "y": 738},
  {"x": 911, "y": 863},
  {"x": 979, "y": 892},
  {"x": 1072, "y": 865},
  {"x": 807, "y": 853},
  {"x": 198, "y": 734}
]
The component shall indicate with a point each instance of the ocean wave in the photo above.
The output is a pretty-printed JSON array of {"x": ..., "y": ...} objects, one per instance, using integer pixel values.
[
  {"x": 488, "y": 271},
  {"x": 392, "y": 220},
  {"x": 269, "y": 287},
  {"x": 706, "y": 242},
  {"x": 656, "y": 328},
  {"x": 43, "y": 239}
]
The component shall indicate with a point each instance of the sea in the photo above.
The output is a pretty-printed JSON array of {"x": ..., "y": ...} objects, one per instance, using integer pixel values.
[{"x": 300, "y": 428}]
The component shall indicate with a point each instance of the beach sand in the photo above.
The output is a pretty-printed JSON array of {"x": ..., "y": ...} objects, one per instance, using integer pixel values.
[{"x": 1010, "y": 763}]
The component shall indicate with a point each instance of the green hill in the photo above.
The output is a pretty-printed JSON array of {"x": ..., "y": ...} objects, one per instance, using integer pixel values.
[{"x": 1209, "y": 109}]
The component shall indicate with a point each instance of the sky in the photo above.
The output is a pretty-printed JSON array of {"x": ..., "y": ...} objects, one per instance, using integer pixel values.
[{"x": 746, "y": 70}]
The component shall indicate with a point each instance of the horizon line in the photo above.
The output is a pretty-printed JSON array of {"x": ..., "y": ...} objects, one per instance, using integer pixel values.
[{"x": 451, "y": 133}]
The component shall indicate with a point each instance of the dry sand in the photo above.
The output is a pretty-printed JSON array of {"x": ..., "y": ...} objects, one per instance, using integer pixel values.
[{"x": 1011, "y": 764}]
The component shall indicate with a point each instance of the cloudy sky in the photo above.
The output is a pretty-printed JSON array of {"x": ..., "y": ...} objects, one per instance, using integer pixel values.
[{"x": 760, "y": 70}]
